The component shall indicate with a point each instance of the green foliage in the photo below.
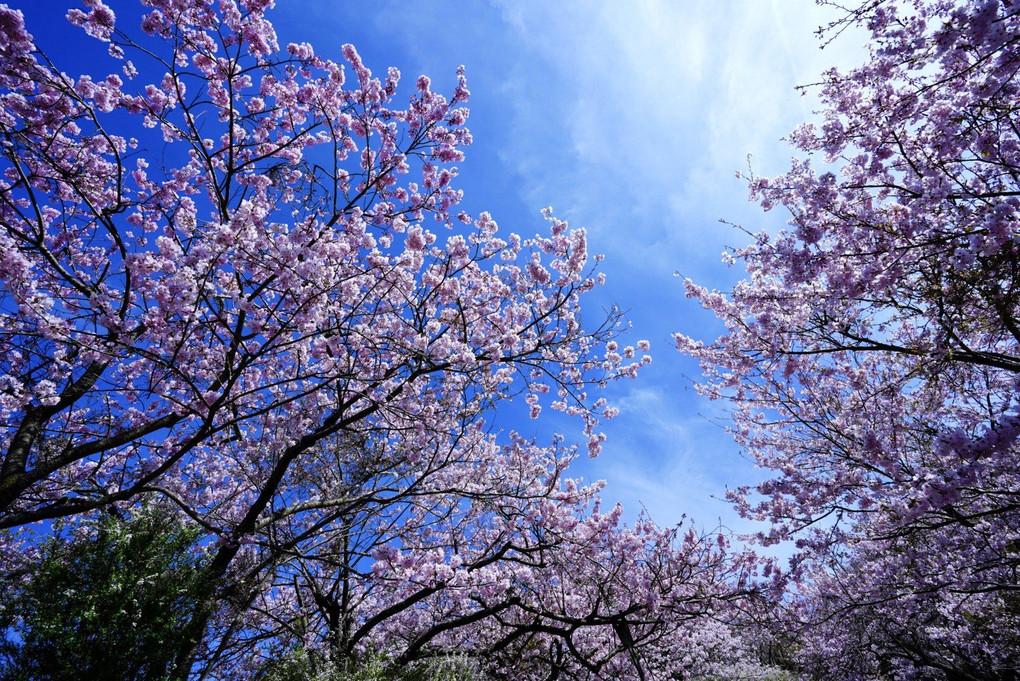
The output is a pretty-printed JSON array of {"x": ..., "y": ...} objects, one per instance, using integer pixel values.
[
  {"x": 454, "y": 668},
  {"x": 303, "y": 666},
  {"x": 109, "y": 605}
]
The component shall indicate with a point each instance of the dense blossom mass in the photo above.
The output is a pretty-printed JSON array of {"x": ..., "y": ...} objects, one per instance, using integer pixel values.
[
  {"x": 236, "y": 287},
  {"x": 872, "y": 356}
]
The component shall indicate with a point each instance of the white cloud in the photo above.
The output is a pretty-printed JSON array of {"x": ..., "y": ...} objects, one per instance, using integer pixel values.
[
  {"x": 647, "y": 109},
  {"x": 672, "y": 461}
]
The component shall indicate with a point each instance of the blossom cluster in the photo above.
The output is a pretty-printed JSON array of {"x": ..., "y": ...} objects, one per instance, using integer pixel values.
[
  {"x": 872, "y": 354},
  {"x": 236, "y": 282}
]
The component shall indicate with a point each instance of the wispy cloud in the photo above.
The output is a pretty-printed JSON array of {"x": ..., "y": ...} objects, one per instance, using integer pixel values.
[{"x": 648, "y": 109}]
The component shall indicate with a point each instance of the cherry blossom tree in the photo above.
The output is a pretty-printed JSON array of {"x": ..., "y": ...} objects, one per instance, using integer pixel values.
[
  {"x": 235, "y": 284},
  {"x": 872, "y": 355}
]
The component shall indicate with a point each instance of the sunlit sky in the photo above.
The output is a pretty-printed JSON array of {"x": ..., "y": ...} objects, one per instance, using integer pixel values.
[{"x": 630, "y": 118}]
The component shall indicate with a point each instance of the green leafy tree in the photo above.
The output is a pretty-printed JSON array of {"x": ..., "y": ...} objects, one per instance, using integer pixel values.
[{"x": 111, "y": 604}]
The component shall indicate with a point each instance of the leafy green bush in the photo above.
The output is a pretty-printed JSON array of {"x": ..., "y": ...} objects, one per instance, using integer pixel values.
[
  {"x": 108, "y": 605},
  {"x": 301, "y": 665}
]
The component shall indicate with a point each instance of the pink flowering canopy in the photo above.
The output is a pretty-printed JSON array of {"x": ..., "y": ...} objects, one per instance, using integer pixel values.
[
  {"x": 235, "y": 283},
  {"x": 872, "y": 355}
]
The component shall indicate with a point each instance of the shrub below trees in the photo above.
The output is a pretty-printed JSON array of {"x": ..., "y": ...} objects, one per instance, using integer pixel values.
[{"x": 112, "y": 603}]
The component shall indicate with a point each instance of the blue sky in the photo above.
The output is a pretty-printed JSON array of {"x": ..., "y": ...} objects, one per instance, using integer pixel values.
[{"x": 630, "y": 119}]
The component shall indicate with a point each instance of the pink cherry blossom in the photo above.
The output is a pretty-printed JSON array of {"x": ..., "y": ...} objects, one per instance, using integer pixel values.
[
  {"x": 871, "y": 356},
  {"x": 220, "y": 293}
]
